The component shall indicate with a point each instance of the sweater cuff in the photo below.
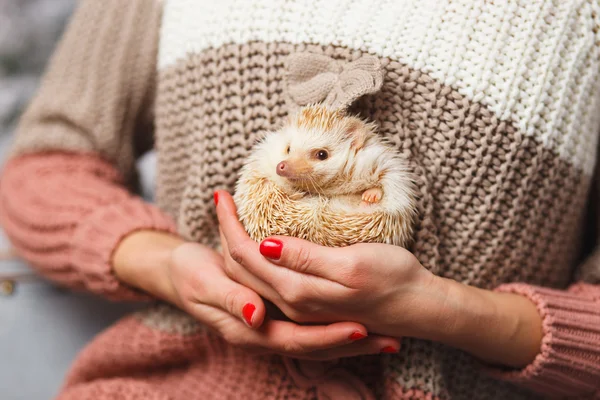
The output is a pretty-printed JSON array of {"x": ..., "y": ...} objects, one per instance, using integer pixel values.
[
  {"x": 569, "y": 361},
  {"x": 97, "y": 237}
]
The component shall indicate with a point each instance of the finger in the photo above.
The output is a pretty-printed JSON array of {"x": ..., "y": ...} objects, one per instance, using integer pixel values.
[
  {"x": 207, "y": 283},
  {"x": 244, "y": 276},
  {"x": 292, "y": 253},
  {"x": 292, "y": 339},
  {"x": 238, "y": 300},
  {"x": 242, "y": 248},
  {"x": 232, "y": 228},
  {"x": 371, "y": 345},
  {"x": 226, "y": 325},
  {"x": 306, "y": 257}
]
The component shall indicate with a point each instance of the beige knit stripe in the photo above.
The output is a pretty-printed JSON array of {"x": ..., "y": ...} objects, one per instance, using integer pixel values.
[
  {"x": 168, "y": 319},
  {"x": 496, "y": 206}
]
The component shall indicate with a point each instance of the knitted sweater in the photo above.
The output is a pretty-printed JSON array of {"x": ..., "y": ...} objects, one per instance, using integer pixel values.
[{"x": 495, "y": 104}]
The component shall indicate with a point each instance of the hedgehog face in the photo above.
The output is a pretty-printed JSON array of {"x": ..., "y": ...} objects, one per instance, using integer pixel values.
[{"x": 300, "y": 159}]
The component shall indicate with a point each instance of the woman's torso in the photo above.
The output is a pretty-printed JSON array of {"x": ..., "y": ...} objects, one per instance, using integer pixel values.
[{"x": 495, "y": 104}]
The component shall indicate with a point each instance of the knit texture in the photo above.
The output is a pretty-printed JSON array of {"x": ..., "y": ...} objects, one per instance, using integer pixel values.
[
  {"x": 65, "y": 214},
  {"x": 494, "y": 104},
  {"x": 314, "y": 78},
  {"x": 571, "y": 322}
]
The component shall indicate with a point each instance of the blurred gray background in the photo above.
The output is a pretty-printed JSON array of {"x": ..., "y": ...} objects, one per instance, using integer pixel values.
[
  {"x": 28, "y": 32},
  {"x": 42, "y": 327}
]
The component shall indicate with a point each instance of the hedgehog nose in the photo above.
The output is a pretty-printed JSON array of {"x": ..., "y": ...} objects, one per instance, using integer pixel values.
[{"x": 283, "y": 168}]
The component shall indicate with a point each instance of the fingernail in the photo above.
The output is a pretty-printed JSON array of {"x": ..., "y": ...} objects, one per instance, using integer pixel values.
[
  {"x": 389, "y": 349},
  {"x": 216, "y": 197},
  {"x": 271, "y": 248},
  {"x": 356, "y": 336},
  {"x": 248, "y": 312}
]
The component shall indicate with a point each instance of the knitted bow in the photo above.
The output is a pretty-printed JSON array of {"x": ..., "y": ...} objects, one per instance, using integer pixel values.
[{"x": 315, "y": 78}]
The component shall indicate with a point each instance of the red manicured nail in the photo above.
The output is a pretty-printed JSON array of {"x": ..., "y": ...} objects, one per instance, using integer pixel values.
[
  {"x": 356, "y": 336},
  {"x": 248, "y": 312},
  {"x": 271, "y": 248},
  {"x": 389, "y": 349},
  {"x": 216, "y": 197}
]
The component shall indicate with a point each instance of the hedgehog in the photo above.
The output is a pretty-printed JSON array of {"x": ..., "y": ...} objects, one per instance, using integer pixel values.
[{"x": 327, "y": 177}]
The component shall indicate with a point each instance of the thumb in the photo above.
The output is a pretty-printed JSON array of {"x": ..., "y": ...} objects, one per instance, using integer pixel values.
[
  {"x": 199, "y": 278},
  {"x": 239, "y": 301}
]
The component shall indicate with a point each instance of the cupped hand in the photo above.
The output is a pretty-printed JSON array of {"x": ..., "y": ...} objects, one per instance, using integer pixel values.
[
  {"x": 381, "y": 286},
  {"x": 237, "y": 314},
  {"x": 192, "y": 277}
]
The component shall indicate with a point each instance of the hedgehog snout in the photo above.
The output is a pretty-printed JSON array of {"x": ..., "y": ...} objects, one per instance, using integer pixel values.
[{"x": 283, "y": 169}]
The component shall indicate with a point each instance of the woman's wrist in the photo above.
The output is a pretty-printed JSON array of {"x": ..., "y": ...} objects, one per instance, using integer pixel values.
[
  {"x": 498, "y": 328},
  {"x": 142, "y": 260}
]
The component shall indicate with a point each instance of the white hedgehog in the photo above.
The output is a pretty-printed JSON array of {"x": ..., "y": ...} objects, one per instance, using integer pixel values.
[{"x": 329, "y": 178}]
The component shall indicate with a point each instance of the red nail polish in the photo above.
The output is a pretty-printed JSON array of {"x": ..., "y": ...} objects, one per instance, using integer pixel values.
[
  {"x": 216, "y": 197},
  {"x": 389, "y": 349},
  {"x": 248, "y": 312},
  {"x": 271, "y": 248},
  {"x": 356, "y": 336}
]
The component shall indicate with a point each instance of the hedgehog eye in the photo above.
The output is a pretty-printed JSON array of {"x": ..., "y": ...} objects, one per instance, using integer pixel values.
[
  {"x": 287, "y": 150},
  {"x": 322, "y": 155}
]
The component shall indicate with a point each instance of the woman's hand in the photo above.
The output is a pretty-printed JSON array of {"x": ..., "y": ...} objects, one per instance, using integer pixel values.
[
  {"x": 191, "y": 276},
  {"x": 383, "y": 287}
]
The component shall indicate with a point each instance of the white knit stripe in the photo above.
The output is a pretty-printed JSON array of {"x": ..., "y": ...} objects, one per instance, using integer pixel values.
[
  {"x": 534, "y": 62},
  {"x": 575, "y": 84}
]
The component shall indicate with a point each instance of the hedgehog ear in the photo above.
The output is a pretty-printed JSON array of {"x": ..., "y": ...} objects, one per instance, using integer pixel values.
[{"x": 356, "y": 130}]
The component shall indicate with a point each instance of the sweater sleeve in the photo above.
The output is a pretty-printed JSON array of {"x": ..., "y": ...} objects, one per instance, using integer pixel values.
[
  {"x": 568, "y": 364},
  {"x": 63, "y": 198}
]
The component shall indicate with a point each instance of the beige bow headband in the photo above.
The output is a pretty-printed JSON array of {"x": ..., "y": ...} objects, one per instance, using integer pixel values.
[{"x": 316, "y": 78}]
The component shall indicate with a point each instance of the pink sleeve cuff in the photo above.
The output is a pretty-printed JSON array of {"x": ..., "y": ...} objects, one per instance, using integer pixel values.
[
  {"x": 96, "y": 238},
  {"x": 569, "y": 360}
]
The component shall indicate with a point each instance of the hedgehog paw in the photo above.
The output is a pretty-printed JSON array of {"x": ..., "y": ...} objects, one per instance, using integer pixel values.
[{"x": 372, "y": 196}]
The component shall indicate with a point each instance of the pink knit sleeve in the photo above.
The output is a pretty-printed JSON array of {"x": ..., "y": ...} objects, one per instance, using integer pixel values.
[
  {"x": 569, "y": 362},
  {"x": 65, "y": 213}
]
